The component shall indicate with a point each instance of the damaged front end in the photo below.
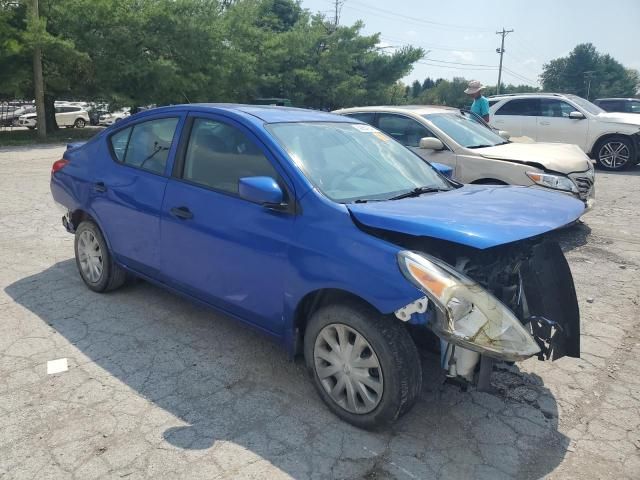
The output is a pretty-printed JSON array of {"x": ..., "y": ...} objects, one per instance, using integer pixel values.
[{"x": 508, "y": 302}]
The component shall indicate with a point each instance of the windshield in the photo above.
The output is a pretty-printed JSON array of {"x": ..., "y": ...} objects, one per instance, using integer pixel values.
[
  {"x": 464, "y": 131},
  {"x": 586, "y": 105},
  {"x": 350, "y": 162}
]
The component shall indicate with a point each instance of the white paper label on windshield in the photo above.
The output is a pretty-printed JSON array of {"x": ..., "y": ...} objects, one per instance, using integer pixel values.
[{"x": 364, "y": 128}]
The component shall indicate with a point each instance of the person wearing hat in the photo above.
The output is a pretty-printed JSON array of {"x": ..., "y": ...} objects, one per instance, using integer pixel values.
[{"x": 480, "y": 105}]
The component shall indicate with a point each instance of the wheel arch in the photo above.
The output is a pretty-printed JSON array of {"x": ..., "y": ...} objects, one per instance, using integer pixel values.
[
  {"x": 316, "y": 299},
  {"x": 606, "y": 136}
]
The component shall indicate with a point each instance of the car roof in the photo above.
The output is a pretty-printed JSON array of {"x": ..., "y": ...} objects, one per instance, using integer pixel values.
[
  {"x": 618, "y": 98},
  {"x": 415, "y": 109},
  {"x": 264, "y": 113}
]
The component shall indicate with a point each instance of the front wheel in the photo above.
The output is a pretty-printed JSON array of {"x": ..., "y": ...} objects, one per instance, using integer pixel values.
[
  {"x": 365, "y": 367},
  {"x": 615, "y": 153},
  {"x": 80, "y": 123},
  {"x": 97, "y": 269}
]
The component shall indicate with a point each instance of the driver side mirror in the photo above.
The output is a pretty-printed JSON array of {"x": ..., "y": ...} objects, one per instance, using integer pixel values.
[
  {"x": 504, "y": 134},
  {"x": 576, "y": 115},
  {"x": 431, "y": 143},
  {"x": 261, "y": 190}
]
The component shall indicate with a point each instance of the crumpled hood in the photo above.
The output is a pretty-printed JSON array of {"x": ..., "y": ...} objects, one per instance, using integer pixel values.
[
  {"x": 620, "y": 117},
  {"x": 559, "y": 157},
  {"x": 479, "y": 216}
]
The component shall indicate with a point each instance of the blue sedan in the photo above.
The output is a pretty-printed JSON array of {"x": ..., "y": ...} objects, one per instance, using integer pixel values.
[{"x": 327, "y": 235}]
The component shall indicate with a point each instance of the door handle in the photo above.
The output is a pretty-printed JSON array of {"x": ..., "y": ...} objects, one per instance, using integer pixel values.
[
  {"x": 100, "y": 187},
  {"x": 545, "y": 123},
  {"x": 181, "y": 212}
]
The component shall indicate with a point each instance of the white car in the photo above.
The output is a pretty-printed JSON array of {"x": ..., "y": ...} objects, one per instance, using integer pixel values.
[
  {"x": 66, "y": 116},
  {"x": 110, "y": 118},
  {"x": 478, "y": 154},
  {"x": 612, "y": 139}
]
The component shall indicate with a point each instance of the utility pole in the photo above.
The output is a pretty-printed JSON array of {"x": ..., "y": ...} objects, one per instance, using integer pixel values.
[
  {"x": 38, "y": 80},
  {"x": 588, "y": 75},
  {"x": 501, "y": 52},
  {"x": 337, "y": 4}
]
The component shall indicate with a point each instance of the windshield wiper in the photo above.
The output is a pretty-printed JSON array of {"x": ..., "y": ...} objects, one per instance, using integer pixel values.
[{"x": 416, "y": 192}]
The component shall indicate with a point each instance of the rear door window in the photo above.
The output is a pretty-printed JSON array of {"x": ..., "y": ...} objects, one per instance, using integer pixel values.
[
  {"x": 405, "y": 130},
  {"x": 367, "y": 117},
  {"x": 145, "y": 145},
  {"x": 525, "y": 107}
]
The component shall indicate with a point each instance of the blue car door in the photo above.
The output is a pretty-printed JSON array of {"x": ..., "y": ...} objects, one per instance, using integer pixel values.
[
  {"x": 129, "y": 186},
  {"x": 217, "y": 246}
]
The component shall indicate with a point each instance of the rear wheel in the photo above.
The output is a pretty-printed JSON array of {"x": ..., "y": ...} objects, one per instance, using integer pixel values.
[
  {"x": 615, "y": 153},
  {"x": 95, "y": 264},
  {"x": 365, "y": 367}
]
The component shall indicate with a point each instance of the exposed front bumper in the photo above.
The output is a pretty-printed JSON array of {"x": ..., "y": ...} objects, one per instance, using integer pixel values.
[{"x": 585, "y": 181}]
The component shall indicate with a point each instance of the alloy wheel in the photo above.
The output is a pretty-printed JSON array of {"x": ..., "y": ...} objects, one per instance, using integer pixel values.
[
  {"x": 348, "y": 368},
  {"x": 90, "y": 256},
  {"x": 614, "y": 155}
]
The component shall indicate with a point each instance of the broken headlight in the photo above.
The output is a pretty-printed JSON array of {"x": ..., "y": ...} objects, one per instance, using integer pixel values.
[
  {"x": 557, "y": 182},
  {"x": 469, "y": 316}
]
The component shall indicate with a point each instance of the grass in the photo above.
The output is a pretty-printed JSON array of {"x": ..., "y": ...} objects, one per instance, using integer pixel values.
[{"x": 30, "y": 137}]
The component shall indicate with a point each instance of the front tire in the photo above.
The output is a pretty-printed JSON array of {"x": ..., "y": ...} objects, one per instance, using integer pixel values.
[
  {"x": 365, "y": 366},
  {"x": 80, "y": 123},
  {"x": 95, "y": 264},
  {"x": 615, "y": 153}
]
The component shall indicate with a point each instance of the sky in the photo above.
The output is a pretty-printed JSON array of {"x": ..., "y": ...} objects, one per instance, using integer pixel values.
[{"x": 461, "y": 39}]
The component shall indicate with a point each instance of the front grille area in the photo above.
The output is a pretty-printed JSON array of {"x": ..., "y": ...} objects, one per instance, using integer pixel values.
[{"x": 585, "y": 184}]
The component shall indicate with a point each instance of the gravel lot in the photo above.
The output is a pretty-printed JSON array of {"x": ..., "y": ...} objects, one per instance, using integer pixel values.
[{"x": 160, "y": 388}]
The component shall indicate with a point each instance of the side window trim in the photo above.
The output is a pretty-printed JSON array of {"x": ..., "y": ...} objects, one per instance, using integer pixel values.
[
  {"x": 180, "y": 115},
  {"x": 177, "y": 173}
]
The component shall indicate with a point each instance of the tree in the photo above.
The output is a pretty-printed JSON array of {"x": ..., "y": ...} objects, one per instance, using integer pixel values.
[
  {"x": 587, "y": 73},
  {"x": 416, "y": 89},
  {"x": 137, "y": 52},
  {"x": 428, "y": 83}
]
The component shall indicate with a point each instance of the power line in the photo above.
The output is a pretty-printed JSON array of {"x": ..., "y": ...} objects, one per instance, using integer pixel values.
[
  {"x": 461, "y": 63},
  {"x": 434, "y": 47},
  {"x": 405, "y": 18},
  {"x": 422, "y": 62}
]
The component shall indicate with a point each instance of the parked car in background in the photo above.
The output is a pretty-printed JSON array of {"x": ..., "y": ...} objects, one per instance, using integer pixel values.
[
  {"x": 480, "y": 155},
  {"x": 66, "y": 116},
  {"x": 108, "y": 119},
  {"x": 612, "y": 139},
  {"x": 329, "y": 236},
  {"x": 12, "y": 114},
  {"x": 626, "y": 105}
]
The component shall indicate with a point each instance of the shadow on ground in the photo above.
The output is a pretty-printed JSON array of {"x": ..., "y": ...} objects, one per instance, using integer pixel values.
[{"x": 225, "y": 382}]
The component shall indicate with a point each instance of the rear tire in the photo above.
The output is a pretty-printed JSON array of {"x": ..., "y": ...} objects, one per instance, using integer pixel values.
[
  {"x": 373, "y": 373},
  {"x": 615, "y": 153},
  {"x": 93, "y": 259}
]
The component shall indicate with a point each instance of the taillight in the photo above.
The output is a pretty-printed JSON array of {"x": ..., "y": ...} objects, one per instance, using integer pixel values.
[{"x": 58, "y": 165}]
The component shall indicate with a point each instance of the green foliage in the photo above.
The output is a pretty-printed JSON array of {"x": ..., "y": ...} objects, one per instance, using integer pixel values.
[
  {"x": 571, "y": 74},
  {"x": 176, "y": 51},
  {"x": 451, "y": 92}
]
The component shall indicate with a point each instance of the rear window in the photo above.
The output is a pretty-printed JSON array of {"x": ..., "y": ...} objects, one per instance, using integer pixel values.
[{"x": 145, "y": 145}]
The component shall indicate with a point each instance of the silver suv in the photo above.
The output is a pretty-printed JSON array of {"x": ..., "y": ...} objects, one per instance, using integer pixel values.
[{"x": 613, "y": 139}]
